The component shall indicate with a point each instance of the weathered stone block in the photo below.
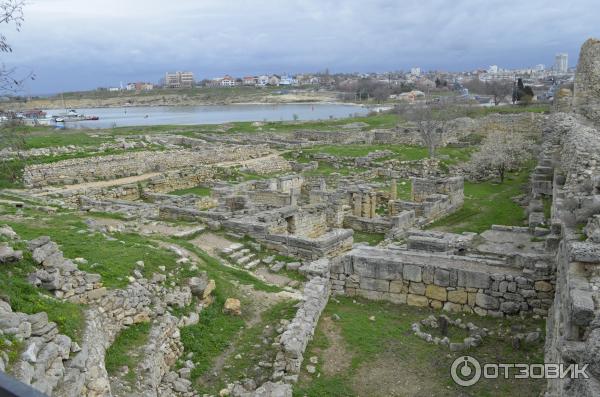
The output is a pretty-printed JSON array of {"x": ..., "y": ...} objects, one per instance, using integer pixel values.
[
  {"x": 417, "y": 300},
  {"x": 398, "y": 287},
  {"x": 412, "y": 273},
  {"x": 441, "y": 277},
  {"x": 458, "y": 296},
  {"x": 417, "y": 288},
  {"x": 436, "y": 304},
  {"x": 487, "y": 301},
  {"x": 452, "y": 307},
  {"x": 471, "y": 279},
  {"x": 374, "y": 284},
  {"x": 543, "y": 286},
  {"x": 436, "y": 292}
]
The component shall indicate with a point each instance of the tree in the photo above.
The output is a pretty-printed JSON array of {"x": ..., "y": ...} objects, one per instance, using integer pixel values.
[
  {"x": 522, "y": 93},
  {"x": 432, "y": 122},
  {"x": 11, "y": 12},
  {"x": 499, "y": 90},
  {"x": 501, "y": 152},
  {"x": 11, "y": 137}
]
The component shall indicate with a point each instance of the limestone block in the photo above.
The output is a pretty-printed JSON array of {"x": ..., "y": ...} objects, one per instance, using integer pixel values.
[
  {"x": 487, "y": 301},
  {"x": 412, "y": 273},
  {"x": 374, "y": 284},
  {"x": 232, "y": 306},
  {"x": 472, "y": 279},
  {"x": 543, "y": 286},
  {"x": 396, "y": 298},
  {"x": 582, "y": 307},
  {"x": 436, "y": 304},
  {"x": 398, "y": 287},
  {"x": 452, "y": 307},
  {"x": 458, "y": 296},
  {"x": 436, "y": 292},
  {"x": 417, "y": 300},
  {"x": 441, "y": 277},
  {"x": 417, "y": 288}
]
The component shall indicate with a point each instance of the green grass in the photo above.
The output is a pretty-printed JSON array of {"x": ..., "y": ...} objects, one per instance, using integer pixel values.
[
  {"x": 214, "y": 333},
  {"x": 401, "y": 152},
  {"x": 26, "y": 298},
  {"x": 547, "y": 203},
  {"x": 404, "y": 189},
  {"x": 198, "y": 191},
  {"x": 52, "y": 138},
  {"x": 481, "y": 111},
  {"x": 114, "y": 259},
  {"x": 122, "y": 351},
  {"x": 389, "y": 337},
  {"x": 245, "y": 345},
  {"x": 487, "y": 204},
  {"x": 12, "y": 347},
  {"x": 370, "y": 238},
  {"x": 224, "y": 273}
]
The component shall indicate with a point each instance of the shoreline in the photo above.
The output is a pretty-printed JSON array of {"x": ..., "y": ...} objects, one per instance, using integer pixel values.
[{"x": 362, "y": 105}]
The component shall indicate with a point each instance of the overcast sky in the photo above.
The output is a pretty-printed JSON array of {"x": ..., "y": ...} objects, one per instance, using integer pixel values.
[{"x": 84, "y": 44}]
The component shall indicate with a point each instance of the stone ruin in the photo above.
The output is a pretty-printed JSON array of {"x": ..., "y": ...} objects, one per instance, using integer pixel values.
[{"x": 548, "y": 268}]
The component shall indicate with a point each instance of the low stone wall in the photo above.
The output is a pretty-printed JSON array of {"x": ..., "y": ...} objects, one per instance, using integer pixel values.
[
  {"x": 55, "y": 365},
  {"x": 45, "y": 353},
  {"x": 368, "y": 225},
  {"x": 330, "y": 244},
  {"x": 79, "y": 170},
  {"x": 300, "y": 330},
  {"x": 128, "y": 209},
  {"x": 454, "y": 283},
  {"x": 61, "y": 276}
]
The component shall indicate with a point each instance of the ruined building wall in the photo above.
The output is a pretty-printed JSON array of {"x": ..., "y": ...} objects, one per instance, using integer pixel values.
[
  {"x": 454, "y": 283},
  {"x": 572, "y": 333},
  {"x": 586, "y": 100},
  {"x": 80, "y": 170}
]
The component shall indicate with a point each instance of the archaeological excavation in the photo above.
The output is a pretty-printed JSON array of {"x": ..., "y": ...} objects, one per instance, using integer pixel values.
[{"x": 350, "y": 256}]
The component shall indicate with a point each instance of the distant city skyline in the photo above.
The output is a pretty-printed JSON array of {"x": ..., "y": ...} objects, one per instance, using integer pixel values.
[{"x": 74, "y": 46}]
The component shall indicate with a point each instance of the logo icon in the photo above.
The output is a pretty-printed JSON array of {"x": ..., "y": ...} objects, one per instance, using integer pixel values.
[{"x": 465, "y": 371}]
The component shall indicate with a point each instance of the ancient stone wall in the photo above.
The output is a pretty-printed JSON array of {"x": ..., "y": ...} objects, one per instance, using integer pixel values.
[
  {"x": 300, "y": 330},
  {"x": 81, "y": 170},
  {"x": 572, "y": 333},
  {"x": 454, "y": 283},
  {"x": 586, "y": 99}
]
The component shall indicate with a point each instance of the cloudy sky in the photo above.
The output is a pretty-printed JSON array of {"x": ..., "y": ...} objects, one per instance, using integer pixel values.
[{"x": 74, "y": 45}]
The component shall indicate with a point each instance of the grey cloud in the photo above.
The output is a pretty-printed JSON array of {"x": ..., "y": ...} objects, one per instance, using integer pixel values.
[{"x": 75, "y": 45}]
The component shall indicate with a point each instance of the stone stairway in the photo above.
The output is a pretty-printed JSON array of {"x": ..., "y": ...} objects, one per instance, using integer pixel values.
[{"x": 241, "y": 256}]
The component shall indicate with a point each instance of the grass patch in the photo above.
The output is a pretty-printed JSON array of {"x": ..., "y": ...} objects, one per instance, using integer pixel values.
[
  {"x": 26, "y": 298},
  {"x": 401, "y": 152},
  {"x": 370, "y": 238},
  {"x": 547, "y": 205},
  {"x": 223, "y": 273},
  {"x": 121, "y": 352},
  {"x": 113, "y": 259},
  {"x": 214, "y": 333},
  {"x": 486, "y": 204},
  {"x": 246, "y": 346},
  {"x": 427, "y": 365}
]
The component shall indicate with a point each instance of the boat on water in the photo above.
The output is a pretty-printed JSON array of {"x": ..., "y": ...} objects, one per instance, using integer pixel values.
[{"x": 72, "y": 115}]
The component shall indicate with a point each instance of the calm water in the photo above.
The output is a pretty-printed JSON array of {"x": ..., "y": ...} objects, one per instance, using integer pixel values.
[{"x": 188, "y": 115}]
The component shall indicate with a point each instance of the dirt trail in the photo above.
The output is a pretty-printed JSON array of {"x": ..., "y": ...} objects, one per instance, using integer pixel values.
[{"x": 336, "y": 358}]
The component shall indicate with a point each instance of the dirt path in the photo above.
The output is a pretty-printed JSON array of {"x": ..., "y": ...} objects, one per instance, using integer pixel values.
[
  {"x": 211, "y": 243},
  {"x": 336, "y": 358},
  {"x": 389, "y": 376}
]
